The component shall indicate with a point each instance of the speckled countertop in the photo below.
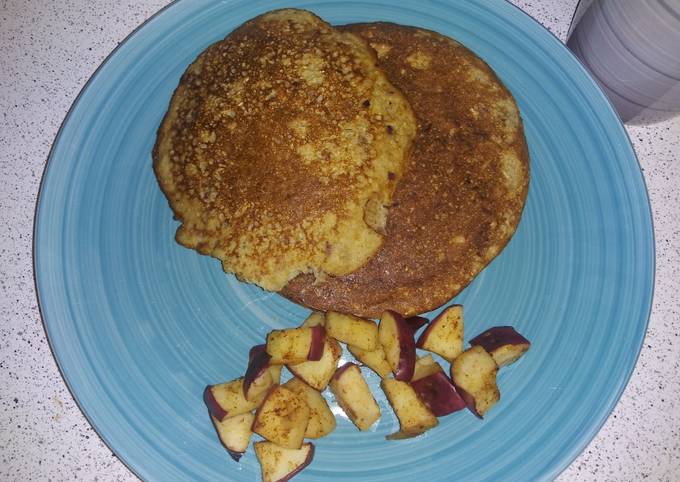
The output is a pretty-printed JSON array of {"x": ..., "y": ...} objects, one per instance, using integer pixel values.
[{"x": 47, "y": 52}]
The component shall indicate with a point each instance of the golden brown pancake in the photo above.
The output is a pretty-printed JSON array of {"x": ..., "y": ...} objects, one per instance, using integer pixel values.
[
  {"x": 460, "y": 202},
  {"x": 281, "y": 148}
]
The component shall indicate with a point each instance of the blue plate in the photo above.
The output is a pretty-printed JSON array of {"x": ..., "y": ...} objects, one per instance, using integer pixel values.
[{"x": 140, "y": 325}]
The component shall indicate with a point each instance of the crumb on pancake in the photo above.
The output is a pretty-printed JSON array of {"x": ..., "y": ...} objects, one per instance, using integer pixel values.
[{"x": 419, "y": 60}]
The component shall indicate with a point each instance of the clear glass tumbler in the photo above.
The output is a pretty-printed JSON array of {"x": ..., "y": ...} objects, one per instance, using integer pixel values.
[{"x": 632, "y": 48}]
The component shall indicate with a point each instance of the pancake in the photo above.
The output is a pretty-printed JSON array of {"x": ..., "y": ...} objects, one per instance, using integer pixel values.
[
  {"x": 281, "y": 149},
  {"x": 462, "y": 198}
]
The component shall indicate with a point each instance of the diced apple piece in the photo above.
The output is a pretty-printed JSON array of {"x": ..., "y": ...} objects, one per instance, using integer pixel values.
[
  {"x": 234, "y": 433},
  {"x": 282, "y": 418},
  {"x": 259, "y": 386},
  {"x": 296, "y": 345},
  {"x": 444, "y": 335},
  {"x": 438, "y": 393},
  {"x": 317, "y": 374},
  {"x": 255, "y": 350},
  {"x": 354, "y": 397},
  {"x": 352, "y": 330},
  {"x": 281, "y": 464},
  {"x": 275, "y": 371},
  {"x": 397, "y": 342},
  {"x": 416, "y": 323},
  {"x": 375, "y": 359},
  {"x": 474, "y": 375},
  {"x": 228, "y": 400},
  {"x": 425, "y": 365},
  {"x": 503, "y": 343},
  {"x": 258, "y": 378},
  {"x": 414, "y": 416},
  {"x": 321, "y": 419},
  {"x": 316, "y": 318},
  {"x": 318, "y": 343}
]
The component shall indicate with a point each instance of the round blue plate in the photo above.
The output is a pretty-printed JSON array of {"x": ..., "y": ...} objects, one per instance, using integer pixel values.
[{"x": 139, "y": 325}]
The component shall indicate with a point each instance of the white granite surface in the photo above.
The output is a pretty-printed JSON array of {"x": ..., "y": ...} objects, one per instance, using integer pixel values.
[{"x": 47, "y": 52}]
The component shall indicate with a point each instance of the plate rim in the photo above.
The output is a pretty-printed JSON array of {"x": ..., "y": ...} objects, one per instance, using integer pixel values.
[{"x": 551, "y": 473}]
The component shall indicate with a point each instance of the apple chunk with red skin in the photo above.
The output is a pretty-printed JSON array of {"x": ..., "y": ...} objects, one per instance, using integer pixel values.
[
  {"x": 280, "y": 464},
  {"x": 438, "y": 393},
  {"x": 414, "y": 416},
  {"x": 318, "y": 373},
  {"x": 444, "y": 335},
  {"x": 397, "y": 342},
  {"x": 354, "y": 396},
  {"x": 503, "y": 343},
  {"x": 296, "y": 345},
  {"x": 352, "y": 330},
  {"x": 416, "y": 322},
  {"x": 474, "y": 376},
  {"x": 321, "y": 418},
  {"x": 425, "y": 365},
  {"x": 373, "y": 359},
  {"x": 258, "y": 378},
  {"x": 228, "y": 399},
  {"x": 274, "y": 370},
  {"x": 315, "y": 318},
  {"x": 434, "y": 388},
  {"x": 282, "y": 418},
  {"x": 234, "y": 433}
]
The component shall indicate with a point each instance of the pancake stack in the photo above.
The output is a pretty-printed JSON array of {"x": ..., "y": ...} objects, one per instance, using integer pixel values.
[
  {"x": 462, "y": 198},
  {"x": 353, "y": 169}
]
